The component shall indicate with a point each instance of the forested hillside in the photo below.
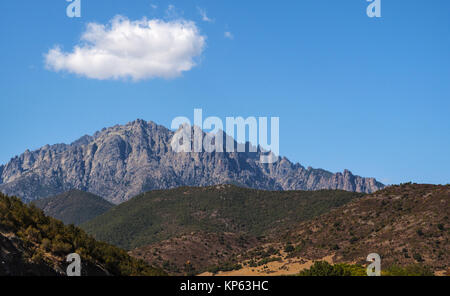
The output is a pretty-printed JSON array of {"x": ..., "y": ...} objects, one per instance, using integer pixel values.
[
  {"x": 163, "y": 214},
  {"x": 32, "y": 243},
  {"x": 74, "y": 207}
]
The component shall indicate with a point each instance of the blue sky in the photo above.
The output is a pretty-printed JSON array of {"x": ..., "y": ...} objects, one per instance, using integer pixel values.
[{"x": 369, "y": 95}]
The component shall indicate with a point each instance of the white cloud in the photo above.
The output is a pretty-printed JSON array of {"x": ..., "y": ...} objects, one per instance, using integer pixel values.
[
  {"x": 204, "y": 16},
  {"x": 141, "y": 49},
  {"x": 229, "y": 35}
]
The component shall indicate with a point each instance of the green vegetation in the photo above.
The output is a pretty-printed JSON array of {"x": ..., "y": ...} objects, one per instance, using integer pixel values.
[
  {"x": 74, "y": 207},
  {"x": 323, "y": 268},
  {"x": 410, "y": 270},
  {"x": 228, "y": 266},
  {"x": 405, "y": 224},
  {"x": 289, "y": 248},
  {"x": 170, "y": 267},
  {"x": 47, "y": 241},
  {"x": 264, "y": 261},
  {"x": 158, "y": 215}
]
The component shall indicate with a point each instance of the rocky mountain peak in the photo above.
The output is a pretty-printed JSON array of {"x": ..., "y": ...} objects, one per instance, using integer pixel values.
[{"x": 122, "y": 161}]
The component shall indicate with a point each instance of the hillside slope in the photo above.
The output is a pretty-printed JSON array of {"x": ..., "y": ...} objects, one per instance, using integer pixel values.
[
  {"x": 34, "y": 244},
  {"x": 123, "y": 161},
  {"x": 74, "y": 207},
  {"x": 163, "y": 214},
  {"x": 196, "y": 252},
  {"x": 405, "y": 225}
]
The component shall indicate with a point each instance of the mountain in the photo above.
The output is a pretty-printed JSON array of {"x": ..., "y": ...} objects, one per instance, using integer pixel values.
[
  {"x": 125, "y": 160},
  {"x": 407, "y": 225},
  {"x": 163, "y": 214},
  {"x": 74, "y": 207},
  {"x": 33, "y": 244}
]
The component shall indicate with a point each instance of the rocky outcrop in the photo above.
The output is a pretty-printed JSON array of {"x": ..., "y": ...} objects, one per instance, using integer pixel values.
[{"x": 125, "y": 160}]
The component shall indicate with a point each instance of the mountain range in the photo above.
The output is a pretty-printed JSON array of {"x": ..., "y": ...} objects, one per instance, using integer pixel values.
[{"x": 123, "y": 161}]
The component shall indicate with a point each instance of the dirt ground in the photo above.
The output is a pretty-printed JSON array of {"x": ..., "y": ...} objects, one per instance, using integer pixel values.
[{"x": 288, "y": 266}]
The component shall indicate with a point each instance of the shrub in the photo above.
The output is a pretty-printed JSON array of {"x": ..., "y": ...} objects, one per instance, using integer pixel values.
[
  {"x": 33, "y": 235},
  {"x": 289, "y": 248},
  {"x": 37, "y": 257},
  {"x": 411, "y": 270},
  {"x": 46, "y": 244},
  {"x": 61, "y": 248},
  {"x": 323, "y": 268},
  {"x": 417, "y": 257}
]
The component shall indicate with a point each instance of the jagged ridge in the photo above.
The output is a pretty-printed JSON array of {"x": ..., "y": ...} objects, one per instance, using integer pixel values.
[{"x": 125, "y": 160}]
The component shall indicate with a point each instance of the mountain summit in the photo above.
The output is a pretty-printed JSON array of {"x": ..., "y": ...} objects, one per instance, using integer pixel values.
[{"x": 125, "y": 160}]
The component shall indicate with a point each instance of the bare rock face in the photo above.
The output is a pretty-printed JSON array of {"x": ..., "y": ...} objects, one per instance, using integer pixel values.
[{"x": 123, "y": 161}]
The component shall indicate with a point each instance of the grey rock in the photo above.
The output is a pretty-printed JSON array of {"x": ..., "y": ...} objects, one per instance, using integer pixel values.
[{"x": 125, "y": 160}]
